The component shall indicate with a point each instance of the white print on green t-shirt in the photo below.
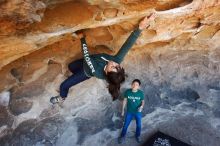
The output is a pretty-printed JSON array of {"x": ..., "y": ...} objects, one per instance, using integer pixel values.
[
  {"x": 88, "y": 60},
  {"x": 134, "y": 98}
]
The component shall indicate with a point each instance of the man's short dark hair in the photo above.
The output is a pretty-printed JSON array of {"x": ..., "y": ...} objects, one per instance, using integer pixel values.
[{"x": 136, "y": 80}]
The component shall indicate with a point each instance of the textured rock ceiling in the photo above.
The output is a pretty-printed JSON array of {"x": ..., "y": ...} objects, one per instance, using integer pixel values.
[
  {"x": 177, "y": 59},
  {"x": 29, "y": 26}
]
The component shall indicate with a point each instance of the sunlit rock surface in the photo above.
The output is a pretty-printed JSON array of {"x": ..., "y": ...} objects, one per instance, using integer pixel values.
[{"x": 177, "y": 60}]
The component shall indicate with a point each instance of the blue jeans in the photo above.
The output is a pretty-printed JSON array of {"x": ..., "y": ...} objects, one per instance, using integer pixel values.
[
  {"x": 76, "y": 67},
  {"x": 128, "y": 118}
]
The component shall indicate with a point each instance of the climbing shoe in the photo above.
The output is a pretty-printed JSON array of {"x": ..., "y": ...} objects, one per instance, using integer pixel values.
[{"x": 56, "y": 99}]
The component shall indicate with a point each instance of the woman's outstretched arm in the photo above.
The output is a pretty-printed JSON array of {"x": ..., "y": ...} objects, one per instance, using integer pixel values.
[{"x": 119, "y": 57}]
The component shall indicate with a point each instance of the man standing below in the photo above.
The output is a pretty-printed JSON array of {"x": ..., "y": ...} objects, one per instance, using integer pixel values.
[{"x": 134, "y": 99}]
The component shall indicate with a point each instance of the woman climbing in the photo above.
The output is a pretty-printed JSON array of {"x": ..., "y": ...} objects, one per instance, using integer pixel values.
[{"x": 102, "y": 66}]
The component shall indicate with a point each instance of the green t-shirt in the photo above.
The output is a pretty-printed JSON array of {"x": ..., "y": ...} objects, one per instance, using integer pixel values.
[
  {"x": 134, "y": 100},
  {"x": 94, "y": 64}
]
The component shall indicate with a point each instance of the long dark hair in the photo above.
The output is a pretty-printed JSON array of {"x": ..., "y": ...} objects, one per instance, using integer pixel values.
[{"x": 115, "y": 79}]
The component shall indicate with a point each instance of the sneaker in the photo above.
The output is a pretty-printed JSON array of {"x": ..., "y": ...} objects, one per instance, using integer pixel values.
[
  {"x": 138, "y": 139},
  {"x": 121, "y": 140},
  {"x": 56, "y": 99}
]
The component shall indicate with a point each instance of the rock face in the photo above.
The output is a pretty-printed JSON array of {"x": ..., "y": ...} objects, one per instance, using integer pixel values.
[{"x": 177, "y": 59}]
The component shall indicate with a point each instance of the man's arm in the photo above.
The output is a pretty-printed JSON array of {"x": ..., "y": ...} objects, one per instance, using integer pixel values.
[
  {"x": 142, "y": 103},
  {"x": 123, "y": 106},
  {"x": 140, "y": 108}
]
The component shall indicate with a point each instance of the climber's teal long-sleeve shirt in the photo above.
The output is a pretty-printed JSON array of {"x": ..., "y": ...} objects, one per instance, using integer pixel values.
[{"x": 94, "y": 64}]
